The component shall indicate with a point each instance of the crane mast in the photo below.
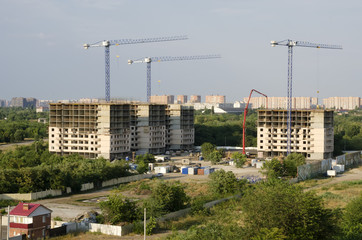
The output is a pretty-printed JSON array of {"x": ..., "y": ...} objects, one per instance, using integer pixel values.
[
  {"x": 291, "y": 44},
  {"x": 107, "y": 43},
  {"x": 149, "y": 60}
]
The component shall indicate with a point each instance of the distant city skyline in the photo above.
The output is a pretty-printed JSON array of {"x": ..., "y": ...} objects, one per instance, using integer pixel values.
[{"x": 42, "y": 53}]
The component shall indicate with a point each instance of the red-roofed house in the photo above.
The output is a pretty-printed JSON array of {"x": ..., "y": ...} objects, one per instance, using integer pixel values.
[{"x": 30, "y": 219}]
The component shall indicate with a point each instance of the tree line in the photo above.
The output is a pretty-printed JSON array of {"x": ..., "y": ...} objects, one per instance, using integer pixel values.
[
  {"x": 225, "y": 129},
  {"x": 348, "y": 131},
  {"x": 32, "y": 168},
  {"x": 16, "y": 124}
]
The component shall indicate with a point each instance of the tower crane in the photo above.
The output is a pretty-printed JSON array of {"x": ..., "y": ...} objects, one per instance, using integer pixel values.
[
  {"x": 107, "y": 43},
  {"x": 149, "y": 60},
  {"x": 290, "y": 44},
  {"x": 246, "y": 112}
]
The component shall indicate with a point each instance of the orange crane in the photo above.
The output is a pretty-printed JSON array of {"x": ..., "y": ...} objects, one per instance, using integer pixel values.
[{"x": 246, "y": 112}]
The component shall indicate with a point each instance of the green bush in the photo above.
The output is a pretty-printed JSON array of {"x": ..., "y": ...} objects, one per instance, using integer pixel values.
[
  {"x": 166, "y": 197},
  {"x": 298, "y": 214},
  {"x": 239, "y": 159},
  {"x": 352, "y": 219},
  {"x": 225, "y": 183},
  {"x": 119, "y": 209}
]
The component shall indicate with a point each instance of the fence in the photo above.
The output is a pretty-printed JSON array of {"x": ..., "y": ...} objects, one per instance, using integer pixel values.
[
  {"x": 350, "y": 159},
  {"x": 126, "y": 229},
  {"x": 84, "y": 187},
  {"x": 314, "y": 169}
]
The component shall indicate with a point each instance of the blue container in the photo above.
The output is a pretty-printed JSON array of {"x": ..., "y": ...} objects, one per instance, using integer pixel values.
[
  {"x": 201, "y": 158},
  {"x": 208, "y": 171},
  {"x": 127, "y": 158},
  {"x": 185, "y": 170}
]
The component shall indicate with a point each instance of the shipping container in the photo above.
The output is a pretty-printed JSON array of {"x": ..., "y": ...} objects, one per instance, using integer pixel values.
[
  {"x": 208, "y": 171},
  {"x": 200, "y": 171},
  {"x": 192, "y": 171},
  {"x": 184, "y": 170}
]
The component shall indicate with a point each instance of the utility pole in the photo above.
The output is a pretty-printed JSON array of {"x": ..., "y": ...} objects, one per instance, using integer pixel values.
[
  {"x": 8, "y": 228},
  {"x": 1, "y": 227},
  {"x": 144, "y": 224}
]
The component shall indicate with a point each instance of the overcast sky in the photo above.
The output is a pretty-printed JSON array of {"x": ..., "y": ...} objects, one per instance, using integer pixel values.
[{"x": 42, "y": 51}]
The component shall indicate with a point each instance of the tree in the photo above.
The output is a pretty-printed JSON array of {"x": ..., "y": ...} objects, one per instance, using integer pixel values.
[
  {"x": 215, "y": 156},
  {"x": 273, "y": 168},
  {"x": 166, "y": 197},
  {"x": 286, "y": 168},
  {"x": 225, "y": 183},
  {"x": 291, "y": 163},
  {"x": 352, "y": 219},
  {"x": 206, "y": 149},
  {"x": 119, "y": 209},
  {"x": 298, "y": 214},
  {"x": 142, "y": 167},
  {"x": 239, "y": 159}
]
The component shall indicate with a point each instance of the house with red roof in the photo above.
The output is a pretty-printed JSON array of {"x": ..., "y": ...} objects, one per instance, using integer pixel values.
[{"x": 30, "y": 219}]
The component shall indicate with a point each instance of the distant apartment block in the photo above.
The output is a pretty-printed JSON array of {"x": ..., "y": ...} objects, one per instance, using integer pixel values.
[
  {"x": 215, "y": 99},
  {"x": 281, "y": 102},
  {"x": 181, "y": 99},
  {"x": 163, "y": 99},
  {"x": 312, "y": 133},
  {"x": 195, "y": 99},
  {"x": 3, "y": 103},
  {"x": 344, "y": 103},
  {"x": 23, "y": 102},
  {"x": 89, "y": 100},
  {"x": 44, "y": 103},
  {"x": 114, "y": 130},
  {"x": 42, "y": 109}
]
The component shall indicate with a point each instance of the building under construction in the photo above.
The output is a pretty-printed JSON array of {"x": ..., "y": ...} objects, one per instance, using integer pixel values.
[
  {"x": 115, "y": 130},
  {"x": 311, "y": 133}
]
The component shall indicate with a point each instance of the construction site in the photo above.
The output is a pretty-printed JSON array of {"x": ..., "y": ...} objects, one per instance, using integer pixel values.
[{"x": 116, "y": 130}]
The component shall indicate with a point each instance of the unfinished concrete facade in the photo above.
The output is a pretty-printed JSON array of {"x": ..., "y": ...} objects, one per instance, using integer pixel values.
[
  {"x": 180, "y": 127},
  {"x": 312, "y": 133},
  {"x": 149, "y": 130},
  {"x": 114, "y": 130}
]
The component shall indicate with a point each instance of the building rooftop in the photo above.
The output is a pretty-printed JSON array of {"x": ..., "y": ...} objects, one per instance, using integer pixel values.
[{"x": 25, "y": 209}]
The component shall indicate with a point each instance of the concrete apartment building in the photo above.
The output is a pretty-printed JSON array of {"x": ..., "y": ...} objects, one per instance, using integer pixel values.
[
  {"x": 281, "y": 102},
  {"x": 23, "y": 102},
  {"x": 181, "y": 99},
  {"x": 114, "y": 130},
  {"x": 3, "y": 103},
  {"x": 180, "y": 127},
  {"x": 195, "y": 99},
  {"x": 345, "y": 103},
  {"x": 312, "y": 133},
  {"x": 163, "y": 99},
  {"x": 149, "y": 129},
  {"x": 215, "y": 99}
]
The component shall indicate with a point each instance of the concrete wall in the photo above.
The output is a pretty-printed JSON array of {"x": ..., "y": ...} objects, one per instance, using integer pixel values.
[
  {"x": 133, "y": 178},
  {"x": 350, "y": 159},
  {"x": 314, "y": 169},
  {"x": 311, "y": 170},
  {"x": 30, "y": 196},
  {"x": 85, "y": 187}
]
